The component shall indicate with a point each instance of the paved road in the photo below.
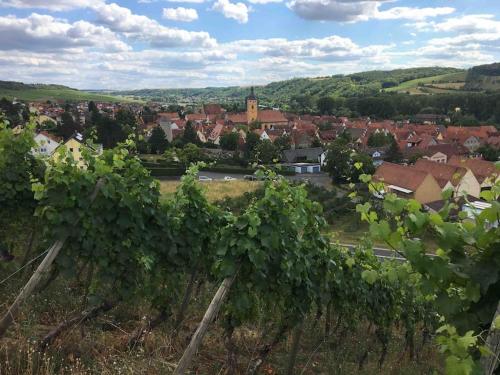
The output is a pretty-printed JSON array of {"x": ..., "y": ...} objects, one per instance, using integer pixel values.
[{"x": 381, "y": 252}]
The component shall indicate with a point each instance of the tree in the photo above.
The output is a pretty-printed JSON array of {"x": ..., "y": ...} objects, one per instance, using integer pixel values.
[
  {"x": 110, "y": 132},
  {"x": 283, "y": 142},
  {"x": 252, "y": 140},
  {"x": 189, "y": 135},
  {"x": 316, "y": 142},
  {"x": 394, "y": 154},
  {"x": 326, "y": 105},
  {"x": 126, "y": 118},
  {"x": 366, "y": 163},
  {"x": 339, "y": 161},
  {"x": 489, "y": 153},
  {"x": 68, "y": 126},
  {"x": 229, "y": 141},
  {"x": 379, "y": 139},
  {"x": 158, "y": 142},
  {"x": 266, "y": 152},
  {"x": 92, "y": 107},
  {"x": 191, "y": 153}
]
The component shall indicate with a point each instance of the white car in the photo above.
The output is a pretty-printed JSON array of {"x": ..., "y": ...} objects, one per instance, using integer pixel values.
[
  {"x": 204, "y": 178},
  {"x": 229, "y": 178}
]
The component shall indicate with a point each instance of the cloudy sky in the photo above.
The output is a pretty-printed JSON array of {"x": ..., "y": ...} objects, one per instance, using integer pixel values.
[{"x": 122, "y": 44}]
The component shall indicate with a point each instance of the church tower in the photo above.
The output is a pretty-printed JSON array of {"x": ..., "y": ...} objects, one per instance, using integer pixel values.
[{"x": 252, "y": 108}]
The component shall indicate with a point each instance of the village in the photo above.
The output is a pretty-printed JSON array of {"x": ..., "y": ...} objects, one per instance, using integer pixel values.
[{"x": 416, "y": 159}]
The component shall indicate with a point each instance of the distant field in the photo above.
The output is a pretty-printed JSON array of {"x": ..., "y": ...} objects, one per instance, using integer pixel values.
[
  {"x": 441, "y": 82},
  {"x": 43, "y": 94},
  {"x": 215, "y": 190}
]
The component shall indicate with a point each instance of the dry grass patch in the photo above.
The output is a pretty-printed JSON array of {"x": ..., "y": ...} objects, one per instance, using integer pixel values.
[{"x": 215, "y": 190}]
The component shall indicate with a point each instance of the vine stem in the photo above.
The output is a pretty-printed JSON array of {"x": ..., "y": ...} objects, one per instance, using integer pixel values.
[
  {"x": 202, "y": 329},
  {"x": 35, "y": 279}
]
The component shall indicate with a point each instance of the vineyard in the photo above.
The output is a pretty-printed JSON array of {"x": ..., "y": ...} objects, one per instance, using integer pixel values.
[{"x": 95, "y": 262}]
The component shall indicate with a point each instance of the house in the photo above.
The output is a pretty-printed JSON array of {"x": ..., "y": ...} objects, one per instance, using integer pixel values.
[
  {"x": 441, "y": 153},
  {"x": 168, "y": 127},
  {"x": 74, "y": 146},
  {"x": 304, "y": 167},
  {"x": 408, "y": 182},
  {"x": 485, "y": 171},
  {"x": 461, "y": 180},
  {"x": 430, "y": 118},
  {"x": 302, "y": 155},
  {"x": 300, "y": 139},
  {"x": 46, "y": 144}
]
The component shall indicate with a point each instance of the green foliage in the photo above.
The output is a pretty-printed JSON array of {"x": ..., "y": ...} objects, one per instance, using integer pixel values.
[
  {"x": 189, "y": 135},
  {"x": 266, "y": 152},
  {"x": 30, "y": 92},
  {"x": 229, "y": 141},
  {"x": 18, "y": 169},
  {"x": 463, "y": 278},
  {"x": 68, "y": 125},
  {"x": 489, "y": 153},
  {"x": 157, "y": 142},
  {"x": 341, "y": 160},
  {"x": 394, "y": 154},
  {"x": 379, "y": 139},
  {"x": 251, "y": 141},
  {"x": 190, "y": 153}
]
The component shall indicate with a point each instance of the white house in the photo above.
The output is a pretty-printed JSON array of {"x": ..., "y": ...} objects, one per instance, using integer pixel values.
[{"x": 45, "y": 144}]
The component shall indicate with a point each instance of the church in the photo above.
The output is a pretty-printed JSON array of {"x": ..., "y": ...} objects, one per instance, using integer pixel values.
[{"x": 267, "y": 118}]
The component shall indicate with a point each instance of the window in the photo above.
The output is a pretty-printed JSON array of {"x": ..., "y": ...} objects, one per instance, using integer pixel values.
[{"x": 71, "y": 149}]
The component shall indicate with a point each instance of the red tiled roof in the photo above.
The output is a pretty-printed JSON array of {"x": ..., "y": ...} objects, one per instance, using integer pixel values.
[
  {"x": 196, "y": 117},
  {"x": 237, "y": 118},
  {"x": 441, "y": 172},
  {"x": 271, "y": 116},
  {"x": 482, "y": 169},
  {"x": 399, "y": 175}
]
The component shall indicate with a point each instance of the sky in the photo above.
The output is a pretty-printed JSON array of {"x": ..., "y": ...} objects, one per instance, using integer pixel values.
[{"x": 134, "y": 44}]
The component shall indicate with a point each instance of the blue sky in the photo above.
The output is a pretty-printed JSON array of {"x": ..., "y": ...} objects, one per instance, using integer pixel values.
[{"x": 126, "y": 44}]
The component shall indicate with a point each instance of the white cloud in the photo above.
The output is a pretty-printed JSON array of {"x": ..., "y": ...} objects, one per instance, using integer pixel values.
[
  {"x": 121, "y": 19},
  {"x": 45, "y": 33},
  {"x": 324, "y": 50},
  {"x": 412, "y": 13},
  {"x": 360, "y": 10},
  {"x": 471, "y": 23},
  {"x": 237, "y": 11},
  {"x": 53, "y": 5},
  {"x": 180, "y": 14}
]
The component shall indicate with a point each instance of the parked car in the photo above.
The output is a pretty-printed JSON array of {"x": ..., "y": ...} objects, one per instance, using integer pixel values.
[
  {"x": 250, "y": 177},
  {"x": 229, "y": 178},
  {"x": 204, "y": 178}
]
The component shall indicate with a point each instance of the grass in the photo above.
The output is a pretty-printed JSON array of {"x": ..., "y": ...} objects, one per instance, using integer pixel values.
[
  {"x": 43, "y": 94},
  {"x": 100, "y": 345},
  {"x": 215, "y": 190},
  {"x": 441, "y": 79}
]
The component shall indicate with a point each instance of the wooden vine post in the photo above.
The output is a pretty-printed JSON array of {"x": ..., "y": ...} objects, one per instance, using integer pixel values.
[
  {"x": 33, "y": 282},
  {"x": 202, "y": 329},
  {"x": 490, "y": 363}
]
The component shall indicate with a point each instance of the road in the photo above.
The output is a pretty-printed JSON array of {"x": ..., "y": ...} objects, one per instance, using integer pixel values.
[
  {"x": 381, "y": 252},
  {"x": 315, "y": 178}
]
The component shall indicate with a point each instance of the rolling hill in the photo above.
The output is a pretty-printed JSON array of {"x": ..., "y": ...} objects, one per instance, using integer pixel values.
[
  {"x": 277, "y": 93},
  {"x": 483, "y": 78},
  {"x": 22, "y": 91}
]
